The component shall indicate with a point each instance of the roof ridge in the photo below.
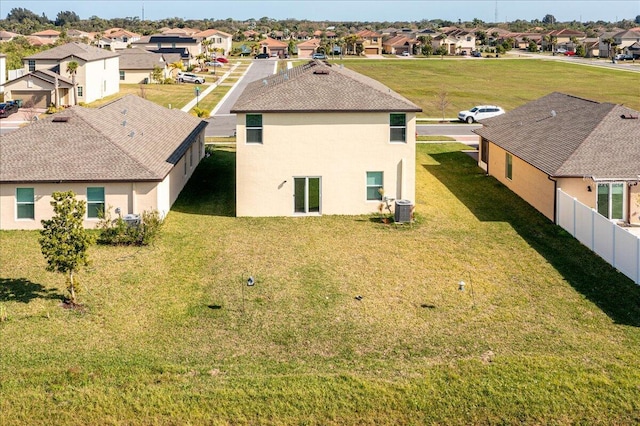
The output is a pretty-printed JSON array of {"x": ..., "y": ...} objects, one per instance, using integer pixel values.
[
  {"x": 108, "y": 137},
  {"x": 599, "y": 123}
]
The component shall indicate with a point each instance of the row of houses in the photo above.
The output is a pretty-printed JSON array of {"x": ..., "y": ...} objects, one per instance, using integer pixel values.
[
  {"x": 195, "y": 41},
  {"x": 314, "y": 155}
]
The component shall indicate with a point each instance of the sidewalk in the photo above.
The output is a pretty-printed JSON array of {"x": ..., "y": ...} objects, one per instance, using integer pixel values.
[{"x": 209, "y": 89}]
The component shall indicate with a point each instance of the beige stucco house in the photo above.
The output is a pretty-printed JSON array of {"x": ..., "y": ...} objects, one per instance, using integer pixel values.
[
  {"x": 588, "y": 149},
  {"x": 137, "y": 66},
  {"x": 97, "y": 75},
  {"x": 217, "y": 41},
  {"x": 371, "y": 42},
  {"x": 321, "y": 153},
  {"x": 130, "y": 154}
]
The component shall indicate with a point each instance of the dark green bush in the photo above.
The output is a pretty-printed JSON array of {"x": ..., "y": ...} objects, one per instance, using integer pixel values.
[{"x": 119, "y": 232}]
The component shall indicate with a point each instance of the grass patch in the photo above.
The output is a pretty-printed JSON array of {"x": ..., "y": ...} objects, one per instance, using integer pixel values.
[
  {"x": 172, "y": 335},
  {"x": 505, "y": 82},
  {"x": 434, "y": 138},
  {"x": 176, "y": 95},
  {"x": 220, "y": 139},
  {"x": 210, "y": 101}
]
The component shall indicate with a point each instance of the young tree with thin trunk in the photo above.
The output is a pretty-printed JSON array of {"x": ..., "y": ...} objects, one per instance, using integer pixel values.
[
  {"x": 63, "y": 239},
  {"x": 72, "y": 70}
]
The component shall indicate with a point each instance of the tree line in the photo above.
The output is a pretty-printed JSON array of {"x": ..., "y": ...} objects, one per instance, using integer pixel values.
[{"x": 24, "y": 21}]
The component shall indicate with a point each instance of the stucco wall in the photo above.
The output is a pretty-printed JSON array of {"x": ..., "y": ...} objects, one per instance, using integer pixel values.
[
  {"x": 529, "y": 183},
  {"x": 124, "y": 195},
  {"x": 578, "y": 188},
  {"x": 95, "y": 74},
  {"x": 130, "y": 197},
  {"x": 338, "y": 147},
  {"x": 135, "y": 76}
]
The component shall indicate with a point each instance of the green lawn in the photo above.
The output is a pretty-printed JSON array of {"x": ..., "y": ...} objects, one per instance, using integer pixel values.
[
  {"x": 549, "y": 335},
  {"x": 505, "y": 82},
  {"x": 176, "y": 95}
]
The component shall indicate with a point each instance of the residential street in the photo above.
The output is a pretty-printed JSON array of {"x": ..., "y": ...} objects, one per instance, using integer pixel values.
[{"x": 223, "y": 123}]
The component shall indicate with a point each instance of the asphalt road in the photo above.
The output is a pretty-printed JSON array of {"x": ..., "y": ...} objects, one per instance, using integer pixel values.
[
  {"x": 223, "y": 123},
  {"x": 461, "y": 129}
]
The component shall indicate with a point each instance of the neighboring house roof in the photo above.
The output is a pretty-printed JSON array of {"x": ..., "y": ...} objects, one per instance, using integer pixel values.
[
  {"x": 563, "y": 136},
  {"x": 398, "y": 41},
  {"x": 129, "y": 139},
  {"x": 313, "y": 43},
  {"x": 164, "y": 39},
  {"x": 140, "y": 59},
  {"x": 7, "y": 35},
  {"x": 39, "y": 41},
  {"x": 48, "y": 76},
  {"x": 179, "y": 31},
  {"x": 272, "y": 43},
  {"x": 211, "y": 32},
  {"x": 46, "y": 33},
  {"x": 80, "y": 50},
  {"x": 312, "y": 88},
  {"x": 173, "y": 51}
]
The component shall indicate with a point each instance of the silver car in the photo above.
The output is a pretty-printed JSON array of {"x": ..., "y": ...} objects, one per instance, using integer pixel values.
[{"x": 190, "y": 78}]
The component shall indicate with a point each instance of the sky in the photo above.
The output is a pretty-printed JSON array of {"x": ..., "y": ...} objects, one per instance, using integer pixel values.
[{"x": 343, "y": 10}]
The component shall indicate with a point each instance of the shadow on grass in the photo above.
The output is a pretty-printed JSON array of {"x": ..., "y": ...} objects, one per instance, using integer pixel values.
[
  {"x": 212, "y": 188},
  {"x": 24, "y": 291},
  {"x": 489, "y": 200}
]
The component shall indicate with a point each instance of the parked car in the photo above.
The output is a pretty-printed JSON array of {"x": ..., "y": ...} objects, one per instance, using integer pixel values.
[
  {"x": 319, "y": 56},
  {"x": 480, "y": 112},
  {"x": 406, "y": 54},
  {"x": 8, "y": 108},
  {"x": 262, "y": 56},
  {"x": 222, "y": 59},
  {"x": 214, "y": 64},
  {"x": 569, "y": 53},
  {"x": 561, "y": 50},
  {"x": 476, "y": 54},
  {"x": 187, "y": 77},
  {"x": 623, "y": 57}
]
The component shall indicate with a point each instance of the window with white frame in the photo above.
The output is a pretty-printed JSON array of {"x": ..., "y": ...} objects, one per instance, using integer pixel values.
[
  {"x": 25, "y": 203},
  {"x": 254, "y": 128},
  {"x": 80, "y": 91},
  {"x": 32, "y": 65},
  {"x": 121, "y": 74},
  {"x": 398, "y": 127},
  {"x": 95, "y": 201},
  {"x": 374, "y": 186}
]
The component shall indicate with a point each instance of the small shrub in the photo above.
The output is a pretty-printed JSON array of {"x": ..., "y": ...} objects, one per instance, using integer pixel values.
[
  {"x": 119, "y": 232},
  {"x": 168, "y": 80},
  {"x": 201, "y": 112}
]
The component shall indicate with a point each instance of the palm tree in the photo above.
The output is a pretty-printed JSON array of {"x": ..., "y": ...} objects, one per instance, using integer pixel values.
[
  {"x": 610, "y": 41},
  {"x": 72, "y": 70}
]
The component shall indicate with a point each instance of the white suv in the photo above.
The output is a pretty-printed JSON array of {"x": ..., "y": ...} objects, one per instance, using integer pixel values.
[
  {"x": 190, "y": 78},
  {"x": 480, "y": 112}
]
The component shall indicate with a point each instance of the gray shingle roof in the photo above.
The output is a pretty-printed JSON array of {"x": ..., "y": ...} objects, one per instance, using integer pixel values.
[
  {"x": 129, "y": 139},
  {"x": 140, "y": 59},
  {"x": 563, "y": 135},
  {"x": 315, "y": 87},
  {"x": 80, "y": 50}
]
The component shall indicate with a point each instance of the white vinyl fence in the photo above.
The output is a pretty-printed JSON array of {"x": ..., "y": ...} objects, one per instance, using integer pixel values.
[{"x": 613, "y": 243}]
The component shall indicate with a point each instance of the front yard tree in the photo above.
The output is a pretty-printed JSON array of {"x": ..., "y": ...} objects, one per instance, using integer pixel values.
[
  {"x": 63, "y": 239},
  {"x": 72, "y": 70}
]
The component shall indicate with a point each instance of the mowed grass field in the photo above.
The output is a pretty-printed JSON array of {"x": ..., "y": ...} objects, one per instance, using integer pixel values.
[
  {"x": 508, "y": 83},
  {"x": 544, "y": 333}
]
